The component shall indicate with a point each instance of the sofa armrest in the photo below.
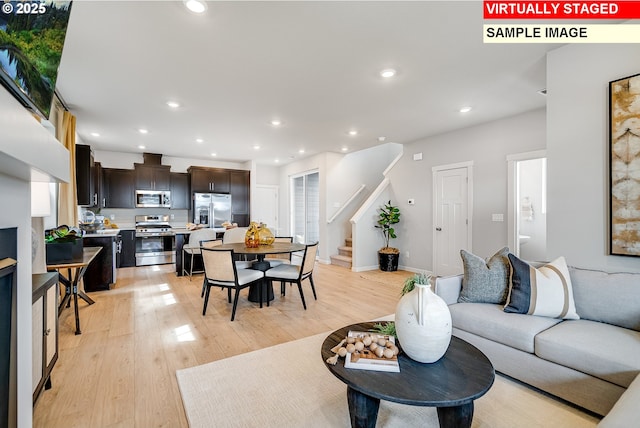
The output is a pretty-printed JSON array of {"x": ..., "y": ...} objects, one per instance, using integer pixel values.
[
  {"x": 448, "y": 288},
  {"x": 625, "y": 412}
]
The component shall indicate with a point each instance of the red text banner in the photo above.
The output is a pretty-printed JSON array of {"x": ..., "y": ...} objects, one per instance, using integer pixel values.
[{"x": 561, "y": 10}]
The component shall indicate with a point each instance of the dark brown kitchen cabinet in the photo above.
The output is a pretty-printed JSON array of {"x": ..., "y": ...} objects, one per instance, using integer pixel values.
[
  {"x": 152, "y": 177},
  {"x": 209, "y": 180},
  {"x": 85, "y": 177},
  {"x": 128, "y": 248},
  {"x": 119, "y": 188},
  {"x": 180, "y": 195},
  {"x": 240, "y": 201}
]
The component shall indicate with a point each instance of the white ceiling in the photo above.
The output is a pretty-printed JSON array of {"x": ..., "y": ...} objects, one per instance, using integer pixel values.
[{"x": 313, "y": 65}]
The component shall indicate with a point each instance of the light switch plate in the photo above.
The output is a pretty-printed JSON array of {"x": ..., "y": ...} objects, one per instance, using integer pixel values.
[{"x": 411, "y": 201}]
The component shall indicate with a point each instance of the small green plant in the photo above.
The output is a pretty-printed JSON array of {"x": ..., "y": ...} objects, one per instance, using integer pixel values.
[
  {"x": 416, "y": 278},
  {"x": 61, "y": 234},
  {"x": 388, "y": 328},
  {"x": 388, "y": 216}
]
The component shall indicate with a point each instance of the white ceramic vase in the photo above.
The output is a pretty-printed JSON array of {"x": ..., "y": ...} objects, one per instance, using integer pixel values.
[{"x": 423, "y": 324}]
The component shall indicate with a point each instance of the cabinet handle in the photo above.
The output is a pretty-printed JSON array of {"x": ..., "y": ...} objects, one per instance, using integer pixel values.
[
  {"x": 104, "y": 202},
  {"x": 47, "y": 331},
  {"x": 95, "y": 199},
  {"x": 438, "y": 229}
]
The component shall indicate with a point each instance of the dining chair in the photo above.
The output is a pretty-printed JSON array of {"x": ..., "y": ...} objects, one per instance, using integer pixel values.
[
  {"x": 220, "y": 271},
  {"x": 278, "y": 259},
  {"x": 236, "y": 236},
  {"x": 192, "y": 248},
  {"x": 211, "y": 243},
  {"x": 297, "y": 273}
]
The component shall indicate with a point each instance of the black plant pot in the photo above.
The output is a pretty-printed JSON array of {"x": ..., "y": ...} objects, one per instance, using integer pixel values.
[{"x": 388, "y": 262}]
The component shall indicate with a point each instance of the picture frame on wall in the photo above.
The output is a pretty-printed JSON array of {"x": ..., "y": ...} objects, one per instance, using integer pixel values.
[{"x": 624, "y": 166}]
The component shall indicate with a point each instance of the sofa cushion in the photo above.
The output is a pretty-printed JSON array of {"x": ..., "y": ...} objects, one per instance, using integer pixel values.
[
  {"x": 491, "y": 322},
  {"x": 613, "y": 298},
  {"x": 602, "y": 350},
  {"x": 544, "y": 291},
  {"x": 485, "y": 281}
]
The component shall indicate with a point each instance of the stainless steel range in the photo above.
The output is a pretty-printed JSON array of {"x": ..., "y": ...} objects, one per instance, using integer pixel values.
[{"x": 155, "y": 240}]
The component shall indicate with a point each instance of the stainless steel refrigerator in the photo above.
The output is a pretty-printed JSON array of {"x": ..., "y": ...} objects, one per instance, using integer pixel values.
[{"x": 211, "y": 209}]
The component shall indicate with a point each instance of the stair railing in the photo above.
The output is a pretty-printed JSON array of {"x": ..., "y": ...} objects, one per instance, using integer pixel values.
[{"x": 351, "y": 199}]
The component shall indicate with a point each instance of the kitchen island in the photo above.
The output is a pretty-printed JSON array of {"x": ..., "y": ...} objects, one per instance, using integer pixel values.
[
  {"x": 101, "y": 274},
  {"x": 182, "y": 237}
]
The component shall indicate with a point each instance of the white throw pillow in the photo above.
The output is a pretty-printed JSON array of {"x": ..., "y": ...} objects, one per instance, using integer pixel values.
[{"x": 545, "y": 291}]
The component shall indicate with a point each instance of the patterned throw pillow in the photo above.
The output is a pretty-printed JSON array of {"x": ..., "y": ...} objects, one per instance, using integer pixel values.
[
  {"x": 545, "y": 291},
  {"x": 485, "y": 281}
]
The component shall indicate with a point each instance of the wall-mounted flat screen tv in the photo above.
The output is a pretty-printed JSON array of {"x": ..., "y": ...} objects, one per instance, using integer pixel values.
[{"x": 32, "y": 36}]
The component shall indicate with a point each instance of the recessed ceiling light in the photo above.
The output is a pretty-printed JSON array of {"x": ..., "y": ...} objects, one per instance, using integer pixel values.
[
  {"x": 143, "y": 131},
  {"x": 276, "y": 122},
  {"x": 465, "y": 109},
  {"x": 196, "y": 6},
  {"x": 277, "y": 160},
  {"x": 95, "y": 134},
  {"x": 173, "y": 104},
  {"x": 301, "y": 151},
  {"x": 344, "y": 149},
  {"x": 199, "y": 140},
  {"x": 353, "y": 132},
  {"x": 387, "y": 73},
  {"x": 256, "y": 147},
  {"x": 214, "y": 154},
  {"x": 141, "y": 147}
]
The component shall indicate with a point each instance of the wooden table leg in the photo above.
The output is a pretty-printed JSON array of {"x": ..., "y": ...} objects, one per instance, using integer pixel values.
[
  {"x": 456, "y": 417},
  {"x": 363, "y": 409}
]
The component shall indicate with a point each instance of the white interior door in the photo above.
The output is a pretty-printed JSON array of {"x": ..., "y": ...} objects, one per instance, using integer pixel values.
[
  {"x": 452, "y": 217},
  {"x": 265, "y": 207}
]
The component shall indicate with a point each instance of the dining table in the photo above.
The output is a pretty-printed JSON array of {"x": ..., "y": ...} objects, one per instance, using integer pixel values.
[
  {"x": 71, "y": 280},
  {"x": 260, "y": 252}
]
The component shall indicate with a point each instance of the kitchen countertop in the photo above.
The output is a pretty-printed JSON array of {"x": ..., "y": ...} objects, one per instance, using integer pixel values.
[
  {"x": 102, "y": 233},
  {"x": 184, "y": 231}
]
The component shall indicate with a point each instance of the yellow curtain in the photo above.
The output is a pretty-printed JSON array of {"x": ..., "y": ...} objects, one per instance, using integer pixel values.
[{"x": 67, "y": 199}]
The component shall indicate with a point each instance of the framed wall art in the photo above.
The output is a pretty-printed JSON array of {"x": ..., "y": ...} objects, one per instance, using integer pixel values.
[{"x": 624, "y": 166}]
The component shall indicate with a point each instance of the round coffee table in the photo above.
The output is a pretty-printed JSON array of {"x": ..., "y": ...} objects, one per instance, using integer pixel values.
[{"x": 451, "y": 384}]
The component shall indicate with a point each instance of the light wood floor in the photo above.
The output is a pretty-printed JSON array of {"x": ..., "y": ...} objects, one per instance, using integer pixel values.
[{"x": 120, "y": 372}]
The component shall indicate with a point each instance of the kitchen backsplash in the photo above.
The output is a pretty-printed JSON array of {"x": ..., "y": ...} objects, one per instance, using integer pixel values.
[{"x": 125, "y": 218}]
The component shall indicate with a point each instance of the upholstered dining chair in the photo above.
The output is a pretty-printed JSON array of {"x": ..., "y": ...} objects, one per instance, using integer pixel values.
[
  {"x": 208, "y": 244},
  {"x": 192, "y": 248},
  {"x": 278, "y": 259},
  {"x": 297, "y": 273},
  {"x": 236, "y": 236},
  {"x": 220, "y": 271}
]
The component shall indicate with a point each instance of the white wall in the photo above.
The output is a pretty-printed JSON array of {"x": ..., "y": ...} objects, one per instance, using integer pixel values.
[
  {"x": 340, "y": 175},
  {"x": 124, "y": 160},
  {"x": 577, "y": 149},
  {"x": 487, "y": 145}
]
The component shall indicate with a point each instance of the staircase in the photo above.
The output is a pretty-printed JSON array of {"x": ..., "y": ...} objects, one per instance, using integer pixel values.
[{"x": 343, "y": 258}]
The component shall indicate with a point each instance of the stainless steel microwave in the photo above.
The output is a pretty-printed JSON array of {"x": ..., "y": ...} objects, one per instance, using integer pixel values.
[{"x": 153, "y": 199}]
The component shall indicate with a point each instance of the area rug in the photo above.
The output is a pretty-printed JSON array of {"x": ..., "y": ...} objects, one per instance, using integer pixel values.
[{"x": 288, "y": 386}]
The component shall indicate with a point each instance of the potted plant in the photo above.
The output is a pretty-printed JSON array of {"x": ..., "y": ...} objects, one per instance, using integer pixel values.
[
  {"x": 388, "y": 256},
  {"x": 62, "y": 244}
]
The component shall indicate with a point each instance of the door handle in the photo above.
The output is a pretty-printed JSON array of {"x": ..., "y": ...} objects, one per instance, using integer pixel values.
[{"x": 439, "y": 229}]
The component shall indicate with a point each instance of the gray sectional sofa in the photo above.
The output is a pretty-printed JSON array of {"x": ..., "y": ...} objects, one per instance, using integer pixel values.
[{"x": 591, "y": 362}]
